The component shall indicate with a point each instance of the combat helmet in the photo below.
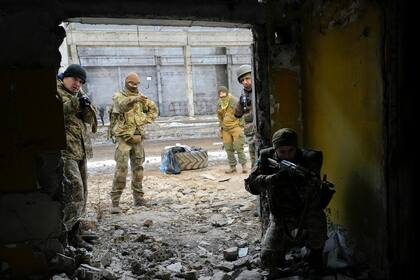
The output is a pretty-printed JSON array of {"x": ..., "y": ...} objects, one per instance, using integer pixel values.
[{"x": 242, "y": 70}]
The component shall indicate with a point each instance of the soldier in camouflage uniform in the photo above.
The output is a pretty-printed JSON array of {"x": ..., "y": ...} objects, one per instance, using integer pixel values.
[
  {"x": 78, "y": 111},
  {"x": 294, "y": 201},
  {"x": 132, "y": 111},
  {"x": 244, "y": 109},
  {"x": 230, "y": 129}
]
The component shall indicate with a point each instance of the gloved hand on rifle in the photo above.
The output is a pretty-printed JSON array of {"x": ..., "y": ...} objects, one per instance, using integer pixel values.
[
  {"x": 281, "y": 174},
  {"x": 244, "y": 101},
  {"x": 285, "y": 176},
  {"x": 84, "y": 101}
]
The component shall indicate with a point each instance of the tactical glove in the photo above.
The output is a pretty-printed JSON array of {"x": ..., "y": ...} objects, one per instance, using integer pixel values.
[
  {"x": 84, "y": 101},
  {"x": 280, "y": 177},
  {"x": 135, "y": 139}
]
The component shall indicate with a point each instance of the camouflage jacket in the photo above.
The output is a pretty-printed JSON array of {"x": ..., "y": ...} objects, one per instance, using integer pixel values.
[
  {"x": 131, "y": 117},
  {"x": 226, "y": 112},
  {"x": 247, "y": 114},
  {"x": 78, "y": 145}
]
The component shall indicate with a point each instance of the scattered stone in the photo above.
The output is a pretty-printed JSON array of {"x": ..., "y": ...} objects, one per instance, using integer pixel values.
[
  {"x": 203, "y": 230},
  {"x": 249, "y": 275},
  {"x": 208, "y": 176},
  {"x": 63, "y": 263},
  {"x": 137, "y": 268},
  {"x": 197, "y": 266},
  {"x": 226, "y": 266},
  {"x": 141, "y": 238},
  {"x": 218, "y": 220},
  {"x": 61, "y": 276},
  {"x": 163, "y": 275},
  {"x": 241, "y": 243},
  {"x": 191, "y": 224},
  {"x": 241, "y": 262},
  {"x": 175, "y": 267},
  {"x": 87, "y": 272},
  {"x": 231, "y": 254},
  {"x": 190, "y": 275},
  {"x": 247, "y": 207},
  {"x": 220, "y": 275},
  {"x": 148, "y": 223}
]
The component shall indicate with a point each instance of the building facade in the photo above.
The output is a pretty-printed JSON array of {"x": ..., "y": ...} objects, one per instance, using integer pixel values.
[{"x": 180, "y": 67}]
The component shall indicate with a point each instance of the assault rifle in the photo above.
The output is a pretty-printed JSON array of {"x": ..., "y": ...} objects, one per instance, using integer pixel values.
[
  {"x": 291, "y": 166},
  {"x": 326, "y": 188},
  {"x": 244, "y": 102}
]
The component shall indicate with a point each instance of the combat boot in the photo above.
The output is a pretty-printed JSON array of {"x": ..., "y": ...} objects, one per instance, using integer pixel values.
[
  {"x": 77, "y": 241},
  {"x": 115, "y": 209},
  {"x": 231, "y": 170},
  {"x": 139, "y": 201},
  {"x": 244, "y": 169}
]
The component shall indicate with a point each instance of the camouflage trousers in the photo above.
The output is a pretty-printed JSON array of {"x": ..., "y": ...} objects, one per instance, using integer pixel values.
[
  {"x": 123, "y": 152},
  {"x": 251, "y": 150},
  {"x": 277, "y": 242},
  {"x": 75, "y": 191},
  {"x": 233, "y": 141}
]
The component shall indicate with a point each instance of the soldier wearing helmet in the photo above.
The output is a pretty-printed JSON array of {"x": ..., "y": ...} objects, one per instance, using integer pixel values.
[{"x": 244, "y": 108}]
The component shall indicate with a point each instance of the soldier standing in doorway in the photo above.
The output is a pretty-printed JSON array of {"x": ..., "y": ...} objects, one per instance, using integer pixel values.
[
  {"x": 78, "y": 111},
  {"x": 132, "y": 111},
  {"x": 244, "y": 109}
]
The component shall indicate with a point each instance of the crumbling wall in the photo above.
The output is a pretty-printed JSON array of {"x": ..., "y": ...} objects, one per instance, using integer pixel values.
[{"x": 32, "y": 135}]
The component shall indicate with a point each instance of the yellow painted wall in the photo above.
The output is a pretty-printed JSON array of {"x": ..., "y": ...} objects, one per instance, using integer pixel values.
[
  {"x": 342, "y": 116},
  {"x": 285, "y": 100}
]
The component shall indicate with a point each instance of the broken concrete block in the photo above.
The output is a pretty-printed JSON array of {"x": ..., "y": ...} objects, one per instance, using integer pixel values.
[
  {"x": 226, "y": 266},
  {"x": 148, "y": 223},
  {"x": 61, "y": 276},
  {"x": 175, "y": 267},
  {"x": 241, "y": 262},
  {"x": 220, "y": 275},
  {"x": 231, "y": 254},
  {"x": 190, "y": 275},
  {"x": 63, "y": 263},
  {"x": 101, "y": 258},
  {"x": 249, "y": 275},
  {"x": 218, "y": 220},
  {"x": 87, "y": 272}
]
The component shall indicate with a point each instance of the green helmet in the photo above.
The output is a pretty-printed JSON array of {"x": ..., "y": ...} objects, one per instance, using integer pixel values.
[{"x": 242, "y": 70}]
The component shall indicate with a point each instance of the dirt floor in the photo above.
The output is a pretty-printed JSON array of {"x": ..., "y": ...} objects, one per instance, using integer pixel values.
[{"x": 200, "y": 224}]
